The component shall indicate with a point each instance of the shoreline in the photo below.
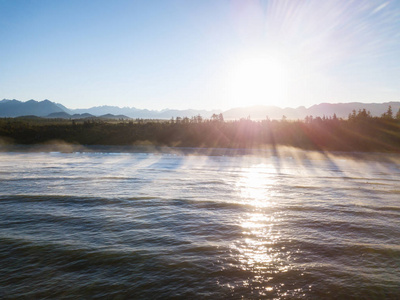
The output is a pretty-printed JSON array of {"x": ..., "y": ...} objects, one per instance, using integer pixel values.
[{"x": 267, "y": 151}]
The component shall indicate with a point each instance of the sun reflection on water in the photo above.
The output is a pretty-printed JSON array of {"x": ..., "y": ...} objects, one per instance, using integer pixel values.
[
  {"x": 256, "y": 185},
  {"x": 260, "y": 250}
]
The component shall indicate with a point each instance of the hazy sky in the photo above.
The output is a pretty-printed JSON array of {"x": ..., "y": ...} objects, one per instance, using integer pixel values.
[{"x": 199, "y": 54}]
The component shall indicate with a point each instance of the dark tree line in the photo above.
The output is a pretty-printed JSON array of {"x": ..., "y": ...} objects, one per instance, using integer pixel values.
[{"x": 360, "y": 132}]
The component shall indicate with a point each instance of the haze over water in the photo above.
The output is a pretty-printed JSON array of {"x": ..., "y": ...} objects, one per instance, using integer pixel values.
[{"x": 161, "y": 225}]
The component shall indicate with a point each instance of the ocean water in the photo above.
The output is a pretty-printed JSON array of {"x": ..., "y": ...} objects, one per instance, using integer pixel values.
[{"x": 199, "y": 225}]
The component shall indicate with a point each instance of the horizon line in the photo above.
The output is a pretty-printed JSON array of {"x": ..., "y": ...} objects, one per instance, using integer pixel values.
[{"x": 205, "y": 109}]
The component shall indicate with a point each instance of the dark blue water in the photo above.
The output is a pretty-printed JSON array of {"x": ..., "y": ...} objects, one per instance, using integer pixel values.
[{"x": 172, "y": 225}]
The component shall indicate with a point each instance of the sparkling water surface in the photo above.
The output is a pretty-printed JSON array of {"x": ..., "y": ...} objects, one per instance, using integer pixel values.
[{"x": 173, "y": 225}]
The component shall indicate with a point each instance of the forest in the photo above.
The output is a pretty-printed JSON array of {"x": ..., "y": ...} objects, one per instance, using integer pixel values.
[{"x": 359, "y": 132}]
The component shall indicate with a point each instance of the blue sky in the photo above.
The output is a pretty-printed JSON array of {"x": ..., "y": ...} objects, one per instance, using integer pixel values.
[{"x": 199, "y": 54}]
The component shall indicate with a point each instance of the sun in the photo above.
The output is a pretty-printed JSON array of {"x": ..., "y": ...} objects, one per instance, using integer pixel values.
[{"x": 258, "y": 80}]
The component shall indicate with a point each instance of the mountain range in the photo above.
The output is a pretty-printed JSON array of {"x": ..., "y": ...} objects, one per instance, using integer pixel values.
[{"x": 49, "y": 109}]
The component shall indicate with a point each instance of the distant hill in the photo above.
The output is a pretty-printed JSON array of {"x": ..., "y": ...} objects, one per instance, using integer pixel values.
[
  {"x": 28, "y": 117},
  {"x": 113, "y": 117},
  {"x": 341, "y": 110},
  {"x": 172, "y": 113},
  {"x": 46, "y": 108},
  {"x": 15, "y": 108},
  {"x": 64, "y": 115},
  {"x": 145, "y": 113},
  {"x": 114, "y": 110},
  {"x": 63, "y": 108},
  {"x": 59, "y": 115}
]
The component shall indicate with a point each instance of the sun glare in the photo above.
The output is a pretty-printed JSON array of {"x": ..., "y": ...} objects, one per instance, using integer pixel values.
[{"x": 258, "y": 80}]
